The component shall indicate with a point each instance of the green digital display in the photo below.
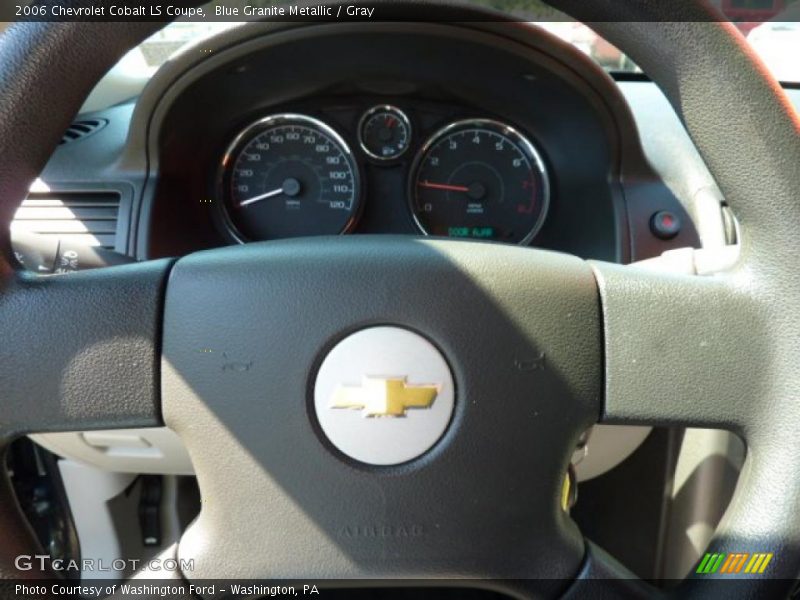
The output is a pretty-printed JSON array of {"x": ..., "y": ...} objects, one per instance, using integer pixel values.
[{"x": 471, "y": 232}]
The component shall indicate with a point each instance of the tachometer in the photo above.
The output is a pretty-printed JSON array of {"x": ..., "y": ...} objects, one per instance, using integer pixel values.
[
  {"x": 479, "y": 179},
  {"x": 289, "y": 175}
]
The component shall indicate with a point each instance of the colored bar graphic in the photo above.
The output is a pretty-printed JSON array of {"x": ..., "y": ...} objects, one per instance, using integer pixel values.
[{"x": 756, "y": 563}]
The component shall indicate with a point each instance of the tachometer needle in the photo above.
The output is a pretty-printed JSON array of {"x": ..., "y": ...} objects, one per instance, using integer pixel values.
[
  {"x": 261, "y": 197},
  {"x": 443, "y": 186}
]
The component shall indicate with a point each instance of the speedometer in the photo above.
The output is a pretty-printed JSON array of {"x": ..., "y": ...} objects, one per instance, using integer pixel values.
[
  {"x": 480, "y": 179},
  {"x": 289, "y": 175}
]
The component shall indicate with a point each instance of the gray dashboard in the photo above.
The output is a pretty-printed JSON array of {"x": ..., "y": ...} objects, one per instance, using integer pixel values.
[
  {"x": 615, "y": 150},
  {"x": 155, "y": 219}
]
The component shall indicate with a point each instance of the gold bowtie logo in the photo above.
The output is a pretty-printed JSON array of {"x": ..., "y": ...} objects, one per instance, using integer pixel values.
[{"x": 384, "y": 396}]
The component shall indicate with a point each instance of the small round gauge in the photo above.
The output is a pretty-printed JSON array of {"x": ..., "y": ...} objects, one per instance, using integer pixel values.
[
  {"x": 479, "y": 179},
  {"x": 384, "y": 132},
  {"x": 289, "y": 175}
]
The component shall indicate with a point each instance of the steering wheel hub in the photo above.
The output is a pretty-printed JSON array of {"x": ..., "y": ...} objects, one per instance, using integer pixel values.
[
  {"x": 336, "y": 423},
  {"x": 384, "y": 395}
]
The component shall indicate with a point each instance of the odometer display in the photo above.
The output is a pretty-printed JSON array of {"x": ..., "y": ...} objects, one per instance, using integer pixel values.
[
  {"x": 479, "y": 179},
  {"x": 289, "y": 176}
]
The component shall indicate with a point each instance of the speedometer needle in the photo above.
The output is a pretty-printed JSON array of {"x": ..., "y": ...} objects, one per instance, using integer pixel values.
[
  {"x": 261, "y": 197},
  {"x": 443, "y": 186},
  {"x": 290, "y": 187}
]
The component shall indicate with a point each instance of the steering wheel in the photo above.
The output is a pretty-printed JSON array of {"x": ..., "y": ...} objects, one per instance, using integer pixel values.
[{"x": 227, "y": 347}]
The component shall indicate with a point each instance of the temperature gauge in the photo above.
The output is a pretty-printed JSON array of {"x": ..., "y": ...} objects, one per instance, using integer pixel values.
[{"x": 384, "y": 132}]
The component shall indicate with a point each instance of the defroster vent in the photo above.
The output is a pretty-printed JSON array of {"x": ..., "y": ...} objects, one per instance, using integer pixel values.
[{"x": 82, "y": 129}]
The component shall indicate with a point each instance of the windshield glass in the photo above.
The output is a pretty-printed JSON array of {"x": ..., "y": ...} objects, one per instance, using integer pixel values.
[{"x": 777, "y": 42}]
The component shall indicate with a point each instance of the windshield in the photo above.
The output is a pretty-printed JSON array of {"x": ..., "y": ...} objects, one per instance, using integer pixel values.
[{"x": 777, "y": 42}]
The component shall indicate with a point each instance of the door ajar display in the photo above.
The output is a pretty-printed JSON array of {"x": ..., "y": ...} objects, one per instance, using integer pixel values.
[
  {"x": 289, "y": 175},
  {"x": 479, "y": 179}
]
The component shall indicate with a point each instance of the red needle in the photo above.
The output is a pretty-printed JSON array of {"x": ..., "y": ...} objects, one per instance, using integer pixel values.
[{"x": 443, "y": 186}]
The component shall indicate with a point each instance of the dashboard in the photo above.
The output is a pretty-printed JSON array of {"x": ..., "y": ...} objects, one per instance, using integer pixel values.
[
  {"x": 489, "y": 131},
  {"x": 480, "y": 131}
]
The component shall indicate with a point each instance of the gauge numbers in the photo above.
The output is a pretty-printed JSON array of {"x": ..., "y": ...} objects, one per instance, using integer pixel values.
[
  {"x": 479, "y": 179},
  {"x": 289, "y": 175}
]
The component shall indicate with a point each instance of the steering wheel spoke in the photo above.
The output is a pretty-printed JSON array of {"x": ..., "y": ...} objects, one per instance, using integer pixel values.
[
  {"x": 681, "y": 349},
  {"x": 80, "y": 351}
]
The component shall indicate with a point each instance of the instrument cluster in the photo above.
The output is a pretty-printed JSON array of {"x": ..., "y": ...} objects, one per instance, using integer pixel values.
[{"x": 301, "y": 173}]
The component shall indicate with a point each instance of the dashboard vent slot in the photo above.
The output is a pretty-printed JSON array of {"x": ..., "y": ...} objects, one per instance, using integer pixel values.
[
  {"x": 86, "y": 218},
  {"x": 82, "y": 129}
]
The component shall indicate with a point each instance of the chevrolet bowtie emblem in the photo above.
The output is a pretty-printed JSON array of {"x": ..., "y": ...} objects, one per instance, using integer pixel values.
[{"x": 384, "y": 396}]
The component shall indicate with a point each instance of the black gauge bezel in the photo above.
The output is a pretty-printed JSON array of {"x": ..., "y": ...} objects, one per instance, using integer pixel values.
[
  {"x": 246, "y": 135},
  {"x": 519, "y": 139},
  {"x": 368, "y": 114}
]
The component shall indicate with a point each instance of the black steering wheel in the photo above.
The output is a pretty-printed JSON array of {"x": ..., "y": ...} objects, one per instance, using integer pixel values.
[{"x": 225, "y": 346}]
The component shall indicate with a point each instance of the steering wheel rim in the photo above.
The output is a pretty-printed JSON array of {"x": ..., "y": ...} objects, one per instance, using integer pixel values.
[{"x": 736, "y": 370}]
